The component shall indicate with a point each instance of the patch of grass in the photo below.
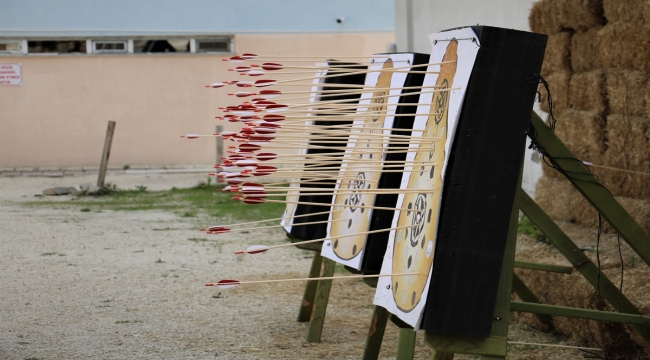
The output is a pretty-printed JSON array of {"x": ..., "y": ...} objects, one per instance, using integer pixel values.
[
  {"x": 203, "y": 199},
  {"x": 139, "y": 251},
  {"x": 106, "y": 301},
  {"x": 141, "y": 188},
  {"x": 164, "y": 229},
  {"x": 85, "y": 209},
  {"x": 61, "y": 254},
  {"x": 126, "y": 167},
  {"x": 128, "y": 321},
  {"x": 159, "y": 261},
  {"x": 48, "y": 253},
  {"x": 197, "y": 240},
  {"x": 526, "y": 227}
]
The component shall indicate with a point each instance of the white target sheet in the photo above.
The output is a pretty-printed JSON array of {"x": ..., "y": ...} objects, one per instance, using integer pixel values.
[
  {"x": 355, "y": 191},
  {"x": 408, "y": 260}
]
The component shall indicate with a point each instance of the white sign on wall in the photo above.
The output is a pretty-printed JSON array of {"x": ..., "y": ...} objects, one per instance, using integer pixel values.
[{"x": 11, "y": 74}]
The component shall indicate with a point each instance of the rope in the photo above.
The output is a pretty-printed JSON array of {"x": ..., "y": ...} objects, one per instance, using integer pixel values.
[{"x": 554, "y": 345}]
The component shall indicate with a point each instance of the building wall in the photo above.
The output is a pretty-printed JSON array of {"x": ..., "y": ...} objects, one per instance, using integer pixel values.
[{"x": 58, "y": 116}]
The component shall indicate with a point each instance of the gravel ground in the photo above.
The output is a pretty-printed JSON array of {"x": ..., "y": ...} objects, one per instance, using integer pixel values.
[{"x": 113, "y": 285}]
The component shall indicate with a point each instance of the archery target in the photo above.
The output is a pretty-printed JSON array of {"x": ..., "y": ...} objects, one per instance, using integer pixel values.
[{"x": 411, "y": 243}]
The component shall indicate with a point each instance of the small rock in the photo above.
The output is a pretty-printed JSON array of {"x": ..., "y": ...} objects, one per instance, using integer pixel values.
[
  {"x": 59, "y": 190},
  {"x": 88, "y": 188}
]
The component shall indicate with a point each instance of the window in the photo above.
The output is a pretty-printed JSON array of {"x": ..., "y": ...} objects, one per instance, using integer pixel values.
[
  {"x": 219, "y": 45},
  {"x": 56, "y": 46},
  {"x": 121, "y": 45},
  {"x": 110, "y": 46},
  {"x": 162, "y": 45},
  {"x": 10, "y": 47}
]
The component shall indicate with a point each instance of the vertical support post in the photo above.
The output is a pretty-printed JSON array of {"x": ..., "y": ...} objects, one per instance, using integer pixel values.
[
  {"x": 219, "y": 129},
  {"x": 105, "y": 154},
  {"x": 405, "y": 344},
  {"x": 310, "y": 290},
  {"x": 320, "y": 303},
  {"x": 375, "y": 334}
]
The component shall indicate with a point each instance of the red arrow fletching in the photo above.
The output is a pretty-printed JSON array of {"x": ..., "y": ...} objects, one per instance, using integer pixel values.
[{"x": 226, "y": 284}]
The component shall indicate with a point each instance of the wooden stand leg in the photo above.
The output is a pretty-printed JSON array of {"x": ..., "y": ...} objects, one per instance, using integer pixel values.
[
  {"x": 310, "y": 290},
  {"x": 375, "y": 333},
  {"x": 406, "y": 344},
  {"x": 320, "y": 303}
]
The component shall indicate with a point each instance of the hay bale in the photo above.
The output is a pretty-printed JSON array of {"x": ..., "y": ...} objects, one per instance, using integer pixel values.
[
  {"x": 543, "y": 19},
  {"x": 628, "y": 11},
  {"x": 629, "y": 135},
  {"x": 559, "y": 83},
  {"x": 639, "y": 209},
  {"x": 625, "y": 46},
  {"x": 583, "y": 132},
  {"x": 624, "y": 183},
  {"x": 626, "y": 91},
  {"x": 555, "y": 196},
  {"x": 580, "y": 15},
  {"x": 587, "y": 91},
  {"x": 552, "y": 16},
  {"x": 585, "y": 50},
  {"x": 557, "y": 56}
]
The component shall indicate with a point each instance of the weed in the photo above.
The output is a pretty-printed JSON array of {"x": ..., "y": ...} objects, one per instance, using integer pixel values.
[
  {"x": 48, "y": 253},
  {"x": 632, "y": 261},
  {"x": 159, "y": 261},
  {"x": 85, "y": 209},
  {"x": 197, "y": 240},
  {"x": 526, "y": 227},
  {"x": 61, "y": 254},
  {"x": 139, "y": 251},
  {"x": 141, "y": 188},
  {"x": 186, "y": 202},
  {"x": 164, "y": 229},
  {"x": 107, "y": 189},
  {"x": 106, "y": 301},
  {"x": 128, "y": 321},
  {"x": 165, "y": 275},
  {"x": 126, "y": 167}
]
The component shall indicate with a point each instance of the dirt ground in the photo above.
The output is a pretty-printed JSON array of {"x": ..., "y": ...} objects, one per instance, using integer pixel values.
[{"x": 129, "y": 285}]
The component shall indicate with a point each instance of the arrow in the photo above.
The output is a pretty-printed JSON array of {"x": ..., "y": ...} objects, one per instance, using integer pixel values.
[{"x": 229, "y": 284}]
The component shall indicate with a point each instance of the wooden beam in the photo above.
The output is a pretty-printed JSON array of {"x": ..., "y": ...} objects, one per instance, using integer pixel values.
[
  {"x": 307, "y": 304},
  {"x": 320, "y": 303},
  {"x": 494, "y": 346},
  {"x": 566, "y": 311},
  {"x": 375, "y": 334},
  {"x": 106, "y": 153},
  {"x": 520, "y": 288},
  {"x": 543, "y": 267},
  {"x": 597, "y": 195},
  {"x": 579, "y": 260}
]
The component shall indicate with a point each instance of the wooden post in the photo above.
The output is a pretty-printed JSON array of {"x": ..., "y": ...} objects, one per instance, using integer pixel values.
[
  {"x": 320, "y": 303},
  {"x": 375, "y": 334},
  {"x": 105, "y": 154},
  {"x": 219, "y": 144},
  {"x": 307, "y": 304}
]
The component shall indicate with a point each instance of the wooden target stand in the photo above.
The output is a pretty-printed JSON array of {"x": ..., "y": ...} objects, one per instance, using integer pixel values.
[{"x": 314, "y": 304}]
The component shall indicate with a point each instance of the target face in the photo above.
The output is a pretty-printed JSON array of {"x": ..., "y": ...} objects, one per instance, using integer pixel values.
[
  {"x": 413, "y": 248},
  {"x": 360, "y": 174}
]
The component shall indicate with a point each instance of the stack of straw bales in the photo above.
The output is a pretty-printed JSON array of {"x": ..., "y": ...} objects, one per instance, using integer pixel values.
[{"x": 597, "y": 64}]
